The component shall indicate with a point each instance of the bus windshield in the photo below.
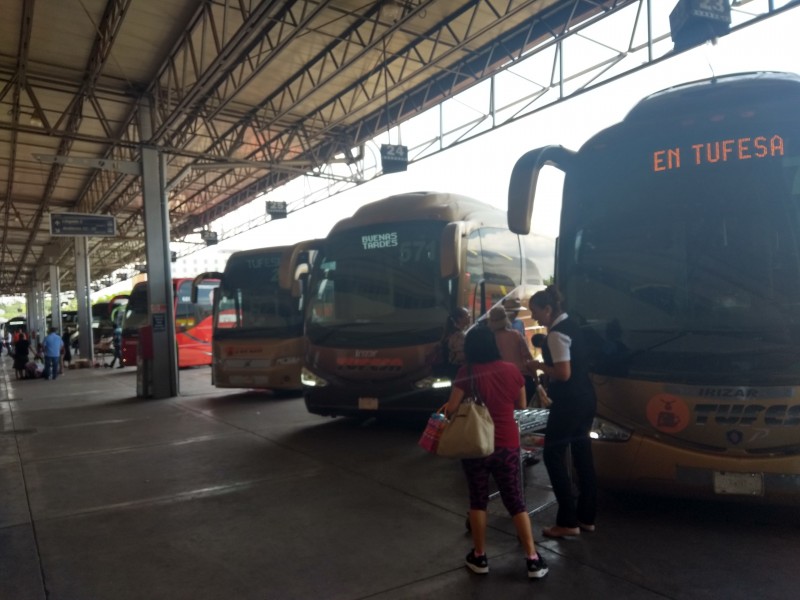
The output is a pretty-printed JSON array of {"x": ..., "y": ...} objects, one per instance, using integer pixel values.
[
  {"x": 379, "y": 284},
  {"x": 187, "y": 314},
  {"x": 136, "y": 310},
  {"x": 689, "y": 267},
  {"x": 250, "y": 303}
]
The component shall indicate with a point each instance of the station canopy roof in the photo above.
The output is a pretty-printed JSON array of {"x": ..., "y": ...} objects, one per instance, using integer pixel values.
[{"x": 267, "y": 90}]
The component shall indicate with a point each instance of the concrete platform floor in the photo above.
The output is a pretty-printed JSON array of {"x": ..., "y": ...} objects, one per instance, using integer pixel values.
[{"x": 218, "y": 495}]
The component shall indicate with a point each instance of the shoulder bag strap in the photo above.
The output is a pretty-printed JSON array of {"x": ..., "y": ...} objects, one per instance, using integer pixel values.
[{"x": 478, "y": 399}]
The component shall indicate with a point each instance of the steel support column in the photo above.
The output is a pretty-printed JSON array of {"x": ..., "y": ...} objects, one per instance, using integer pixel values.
[
  {"x": 55, "y": 299},
  {"x": 163, "y": 369},
  {"x": 36, "y": 322},
  {"x": 82, "y": 294}
]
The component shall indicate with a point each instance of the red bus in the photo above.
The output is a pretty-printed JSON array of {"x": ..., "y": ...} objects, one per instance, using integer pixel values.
[{"x": 193, "y": 321}]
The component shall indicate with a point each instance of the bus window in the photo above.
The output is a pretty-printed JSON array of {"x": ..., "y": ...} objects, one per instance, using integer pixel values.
[
  {"x": 539, "y": 252},
  {"x": 185, "y": 312}
]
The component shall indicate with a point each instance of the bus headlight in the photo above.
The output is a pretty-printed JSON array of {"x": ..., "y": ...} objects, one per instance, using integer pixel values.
[
  {"x": 308, "y": 378},
  {"x": 433, "y": 383},
  {"x": 606, "y": 431}
]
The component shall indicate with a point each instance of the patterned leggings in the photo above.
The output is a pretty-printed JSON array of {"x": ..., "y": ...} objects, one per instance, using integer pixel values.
[{"x": 503, "y": 466}]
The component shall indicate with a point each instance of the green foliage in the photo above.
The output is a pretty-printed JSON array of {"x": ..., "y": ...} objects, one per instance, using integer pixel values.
[
  {"x": 15, "y": 309},
  {"x": 108, "y": 297}
]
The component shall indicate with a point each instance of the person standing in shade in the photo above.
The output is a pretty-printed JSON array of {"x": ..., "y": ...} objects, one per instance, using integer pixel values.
[
  {"x": 53, "y": 347},
  {"x": 513, "y": 347},
  {"x": 513, "y": 306},
  {"x": 502, "y": 389},
  {"x": 36, "y": 342},
  {"x": 566, "y": 366},
  {"x": 66, "y": 357},
  {"x": 117, "y": 347},
  {"x": 21, "y": 352},
  {"x": 452, "y": 343}
]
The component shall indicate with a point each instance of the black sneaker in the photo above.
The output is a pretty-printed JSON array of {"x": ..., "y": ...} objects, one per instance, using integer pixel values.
[
  {"x": 537, "y": 568},
  {"x": 477, "y": 564}
]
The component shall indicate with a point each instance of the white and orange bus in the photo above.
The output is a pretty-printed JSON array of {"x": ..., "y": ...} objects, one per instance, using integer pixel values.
[{"x": 679, "y": 251}]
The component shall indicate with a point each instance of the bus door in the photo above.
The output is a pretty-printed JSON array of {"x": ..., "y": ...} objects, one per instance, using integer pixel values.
[{"x": 194, "y": 324}]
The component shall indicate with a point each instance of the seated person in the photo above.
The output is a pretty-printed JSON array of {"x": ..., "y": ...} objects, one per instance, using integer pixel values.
[{"x": 34, "y": 369}]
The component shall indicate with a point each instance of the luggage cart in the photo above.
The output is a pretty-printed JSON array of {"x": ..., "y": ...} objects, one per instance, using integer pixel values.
[{"x": 531, "y": 423}]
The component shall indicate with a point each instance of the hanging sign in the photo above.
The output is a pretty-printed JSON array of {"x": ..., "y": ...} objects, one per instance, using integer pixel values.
[
  {"x": 72, "y": 224},
  {"x": 394, "y": 159}
]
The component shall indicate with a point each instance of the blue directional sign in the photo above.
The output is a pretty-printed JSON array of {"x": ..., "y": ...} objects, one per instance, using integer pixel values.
[{"x": 72, "y": 224}]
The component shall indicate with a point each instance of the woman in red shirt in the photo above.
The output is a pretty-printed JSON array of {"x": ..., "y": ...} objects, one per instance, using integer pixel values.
[{"x": 502, "y": 389}]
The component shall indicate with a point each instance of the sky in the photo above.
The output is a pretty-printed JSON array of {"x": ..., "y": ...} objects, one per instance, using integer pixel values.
[{"x": 481, "y": 168}]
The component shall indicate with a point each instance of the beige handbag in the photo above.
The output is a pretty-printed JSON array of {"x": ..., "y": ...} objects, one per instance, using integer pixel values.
[{"x": 470, "y": 431}]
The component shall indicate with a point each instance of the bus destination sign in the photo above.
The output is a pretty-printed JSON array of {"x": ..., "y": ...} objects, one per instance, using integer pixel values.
[
  {"x": 73, "y": 224},
  {"x": 719, "y": 151}
]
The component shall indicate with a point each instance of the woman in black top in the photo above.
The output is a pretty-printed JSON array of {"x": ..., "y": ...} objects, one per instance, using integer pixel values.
[
  {"x": 566, "y": 366},
  {"x": 67, "y": 356},
  {"x": 21, "y": 351}
]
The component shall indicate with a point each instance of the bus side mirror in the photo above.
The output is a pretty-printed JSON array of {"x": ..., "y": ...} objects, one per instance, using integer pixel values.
[
  {"x": 522, "y": 185},
  {"x": 450, "y": 253},
  {"x": 291, "y": 266},
  {"x": 200, "y": 279},
  {"x": 300, "y": 279}
]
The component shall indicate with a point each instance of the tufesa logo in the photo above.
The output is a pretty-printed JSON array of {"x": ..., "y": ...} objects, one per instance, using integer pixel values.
[
  {"x": 232, "y": 351},
  {"x": 727, "y": 392},
  {"x": 668, "y": 413},
  {"x": 369, "y": 359},
  {"x": 786, "y": 415},
  {"x": 356, "y": 361},
  {"x": 379, "y": 240}
]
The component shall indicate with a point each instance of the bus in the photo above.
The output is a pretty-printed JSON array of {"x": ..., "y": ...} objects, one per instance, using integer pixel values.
[
  {"x": 381, "y": 287},
  {"x": 193, "y": 323},
  {"x": 679, "y": 253},
  {"x": 102, "y": 322},
  {"x": 258, "y": 325},
  {"x": 15, "y": 324}
]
